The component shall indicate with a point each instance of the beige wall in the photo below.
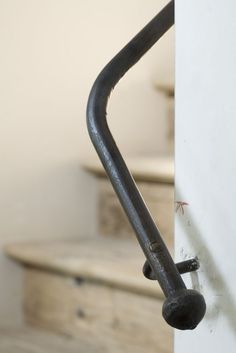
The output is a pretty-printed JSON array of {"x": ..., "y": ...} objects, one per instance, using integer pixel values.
[{"x": 51, "y": 52}]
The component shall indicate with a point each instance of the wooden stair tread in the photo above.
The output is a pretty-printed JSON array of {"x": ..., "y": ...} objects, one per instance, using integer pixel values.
[
  {"x": 114, "y": 262},
  {"x": 158, "y": 169},
  {"x": 29, "y": 340}
]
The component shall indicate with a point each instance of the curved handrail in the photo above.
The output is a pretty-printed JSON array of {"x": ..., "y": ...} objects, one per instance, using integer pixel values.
[{"x": 183, "y": 308}]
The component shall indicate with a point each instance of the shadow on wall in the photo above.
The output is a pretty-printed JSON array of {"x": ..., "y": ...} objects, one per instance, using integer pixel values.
[
  {"x": 222, "y": 300},
  {"x": 11, "y": 277},
  {"x": 50, "y": 202}
]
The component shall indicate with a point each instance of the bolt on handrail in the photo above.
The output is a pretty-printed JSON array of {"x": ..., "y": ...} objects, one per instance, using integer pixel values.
[{"x": 183, "y": 308}]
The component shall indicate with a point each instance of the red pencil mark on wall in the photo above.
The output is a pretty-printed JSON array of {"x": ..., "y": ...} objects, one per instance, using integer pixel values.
[{"x": 180, "y": 206}]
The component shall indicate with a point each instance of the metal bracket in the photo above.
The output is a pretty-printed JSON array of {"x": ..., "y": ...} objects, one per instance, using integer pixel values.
[{"x": 186, "y": 266}]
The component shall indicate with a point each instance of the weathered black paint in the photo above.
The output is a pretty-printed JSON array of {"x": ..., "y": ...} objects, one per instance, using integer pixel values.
[
  {"x": 190, "y": 265},
  {"x": 165, "y": 271}
]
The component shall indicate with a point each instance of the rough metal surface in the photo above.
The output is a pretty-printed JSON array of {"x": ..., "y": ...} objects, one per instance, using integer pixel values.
[{"x": 144, "y": 227}]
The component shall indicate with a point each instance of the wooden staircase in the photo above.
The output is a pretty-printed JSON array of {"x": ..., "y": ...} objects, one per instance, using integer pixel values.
[
  {"x": 92, "y": 290},
  {"x": 30, "y": 340},
  {"x": 155, "y": 180}
]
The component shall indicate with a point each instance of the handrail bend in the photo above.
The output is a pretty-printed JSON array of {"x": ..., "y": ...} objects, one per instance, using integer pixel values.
[{"x": 183, "y": 308}]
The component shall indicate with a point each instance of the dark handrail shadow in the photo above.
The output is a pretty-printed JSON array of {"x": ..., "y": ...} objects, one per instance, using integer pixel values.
[{"x": 223, "y": 300}]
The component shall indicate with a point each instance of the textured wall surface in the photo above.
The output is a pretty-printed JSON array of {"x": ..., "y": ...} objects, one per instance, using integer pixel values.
[{"x": 205, "y": 165}]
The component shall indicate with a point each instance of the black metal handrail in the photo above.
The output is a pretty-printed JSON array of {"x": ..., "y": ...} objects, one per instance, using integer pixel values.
[{"x": 183, "y": 308}]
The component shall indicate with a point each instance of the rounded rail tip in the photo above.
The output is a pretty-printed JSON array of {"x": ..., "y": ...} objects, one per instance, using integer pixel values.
[{"x": 184, "y": 309}]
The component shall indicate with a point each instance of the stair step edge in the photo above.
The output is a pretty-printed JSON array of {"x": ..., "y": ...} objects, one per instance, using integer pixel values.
[{"x": 110, "y": 262}]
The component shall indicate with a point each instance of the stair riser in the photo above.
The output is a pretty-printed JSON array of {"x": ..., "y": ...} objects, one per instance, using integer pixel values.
[
  {"x": 132, "y": 322},
  {"x": 159, "y": 198}
]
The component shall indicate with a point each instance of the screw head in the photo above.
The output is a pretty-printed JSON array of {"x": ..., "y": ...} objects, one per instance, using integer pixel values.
[{"x": 153, "y": 246}]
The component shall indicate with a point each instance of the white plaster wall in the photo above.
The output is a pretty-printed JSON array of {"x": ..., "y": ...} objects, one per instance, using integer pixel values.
[
  {"x": 206, "y": 166},
  {"x": 51, "y": 52}
]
